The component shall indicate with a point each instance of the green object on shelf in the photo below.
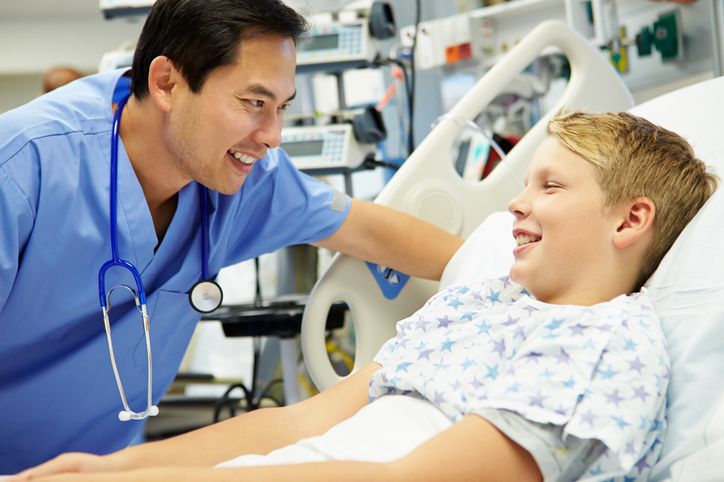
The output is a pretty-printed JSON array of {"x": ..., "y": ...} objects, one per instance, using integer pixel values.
[
  {"x": 644, "y": 42},
  {"x": 666, "y": 38},
  {"x": 663, "y": 36}
]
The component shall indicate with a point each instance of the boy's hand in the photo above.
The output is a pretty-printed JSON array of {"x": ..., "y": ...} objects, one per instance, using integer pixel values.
[{"x": 70, "y": 462}]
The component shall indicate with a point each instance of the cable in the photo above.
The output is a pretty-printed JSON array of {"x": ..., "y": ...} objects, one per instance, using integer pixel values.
[
  {"x": 496, "y": 147},
  {"x": 257, "y": 292},
  {"x": 399, "y": 63},
  {"x": 371, "y": 163},
  {"x": 411, "y": 92},
  {"x": 406, "y": 82}
]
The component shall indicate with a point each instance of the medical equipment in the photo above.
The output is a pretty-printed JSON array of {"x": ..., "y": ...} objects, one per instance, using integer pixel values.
[
  {"x": 686, "y": 289},
  {"x": 345, "y": 39},
  {"x": 664, "y": 35},
  {"x": 205, "y": 296},
  {"x": 481, "y": 35},
  {"x": 124, "y": 8},
  {"x": 346, "y": 45},
  {"x": 324, "y": 147}
]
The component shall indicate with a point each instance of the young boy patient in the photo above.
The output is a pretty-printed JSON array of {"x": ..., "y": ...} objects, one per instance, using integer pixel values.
[{"x": 558, "y": 372}]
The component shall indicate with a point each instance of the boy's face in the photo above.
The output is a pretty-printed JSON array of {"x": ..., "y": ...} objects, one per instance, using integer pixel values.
[{"x": 561, "y": 230}]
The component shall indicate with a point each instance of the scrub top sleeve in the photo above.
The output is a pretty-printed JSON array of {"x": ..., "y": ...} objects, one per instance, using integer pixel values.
[
  {"x": 281, "y": 207},
  {"x": 16, "y": 222}
]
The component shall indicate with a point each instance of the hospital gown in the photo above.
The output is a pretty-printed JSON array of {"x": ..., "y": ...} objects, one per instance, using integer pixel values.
[{"x": 598, "y": 372}]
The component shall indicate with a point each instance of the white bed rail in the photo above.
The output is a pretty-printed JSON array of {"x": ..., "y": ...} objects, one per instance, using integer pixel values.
[{"x": 427, "y": 186}]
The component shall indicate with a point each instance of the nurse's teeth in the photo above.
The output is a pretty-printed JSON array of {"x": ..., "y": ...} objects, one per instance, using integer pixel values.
[{"x": 241, "y": 157}]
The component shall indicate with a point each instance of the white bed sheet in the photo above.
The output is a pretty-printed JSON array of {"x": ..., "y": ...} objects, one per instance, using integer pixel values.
[{"x": 382, "y": 431}]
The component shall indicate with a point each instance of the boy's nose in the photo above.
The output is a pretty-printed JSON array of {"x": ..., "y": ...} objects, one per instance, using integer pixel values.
[{"x": 519, "y": 206}]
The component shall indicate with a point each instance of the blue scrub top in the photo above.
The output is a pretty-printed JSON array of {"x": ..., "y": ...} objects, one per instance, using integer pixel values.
[{"x": 57, "y": 390}]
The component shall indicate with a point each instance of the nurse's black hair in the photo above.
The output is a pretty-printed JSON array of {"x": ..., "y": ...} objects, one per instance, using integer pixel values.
[{"x": 199, "y": 36}]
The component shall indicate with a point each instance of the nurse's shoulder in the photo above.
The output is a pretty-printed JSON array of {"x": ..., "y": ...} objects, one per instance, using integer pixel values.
[{"x": 81, "y": 107}]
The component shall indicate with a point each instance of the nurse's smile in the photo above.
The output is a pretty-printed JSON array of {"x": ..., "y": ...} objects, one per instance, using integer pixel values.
[{"x": 242, "y": 162}]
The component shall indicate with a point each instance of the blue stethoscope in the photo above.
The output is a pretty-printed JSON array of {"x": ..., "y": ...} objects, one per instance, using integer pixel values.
[{"x": 205, "y": 296}]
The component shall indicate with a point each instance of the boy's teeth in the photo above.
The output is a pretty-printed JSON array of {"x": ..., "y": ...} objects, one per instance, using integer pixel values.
[
  {"x": 241, "y": 157},
  {"x": 522, "y": 239}
]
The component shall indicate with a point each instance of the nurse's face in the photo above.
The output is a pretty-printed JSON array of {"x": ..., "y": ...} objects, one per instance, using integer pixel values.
[
  {"x": 563, "y": 234},
  {"x": 217, "y": 134}
]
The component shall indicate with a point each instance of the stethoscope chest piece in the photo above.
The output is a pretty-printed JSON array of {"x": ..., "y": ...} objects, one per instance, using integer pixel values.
[{"x": 206, "y": 296}]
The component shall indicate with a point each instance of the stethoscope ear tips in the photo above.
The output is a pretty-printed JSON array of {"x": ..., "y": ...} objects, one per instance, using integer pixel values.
[{"x": 125, "y": 415}]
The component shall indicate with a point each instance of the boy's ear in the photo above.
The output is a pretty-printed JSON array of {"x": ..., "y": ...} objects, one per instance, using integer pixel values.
[
  {"x": 163, "y": 76},
  {"x": 636, "y": 221}
]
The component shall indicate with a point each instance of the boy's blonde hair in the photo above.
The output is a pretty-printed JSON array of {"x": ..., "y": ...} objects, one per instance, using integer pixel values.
[{"x": 636, "y": 158}]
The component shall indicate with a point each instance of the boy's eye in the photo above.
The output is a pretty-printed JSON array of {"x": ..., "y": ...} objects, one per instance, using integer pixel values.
[
  {"x": 551, "y": 186},
  {"x": 284, "y": 107}
]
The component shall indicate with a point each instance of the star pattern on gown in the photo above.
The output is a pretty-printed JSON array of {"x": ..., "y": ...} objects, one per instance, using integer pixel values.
[{"x": 491, "y": 345}]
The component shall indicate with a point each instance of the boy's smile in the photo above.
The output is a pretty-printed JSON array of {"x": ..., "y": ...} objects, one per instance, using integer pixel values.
[{"x": 524, "y": 239}]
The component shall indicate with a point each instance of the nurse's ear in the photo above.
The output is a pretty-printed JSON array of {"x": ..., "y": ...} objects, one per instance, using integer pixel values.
[{"x": 163, "y": 79}]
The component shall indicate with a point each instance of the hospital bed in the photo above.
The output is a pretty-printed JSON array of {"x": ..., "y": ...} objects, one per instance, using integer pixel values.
[{"x": 687, "y": 289}]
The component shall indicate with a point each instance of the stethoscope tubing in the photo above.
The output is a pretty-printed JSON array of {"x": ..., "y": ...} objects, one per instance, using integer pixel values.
[
  {"x": 204, "y": 233},
  {"x": 116, "y": 259}
]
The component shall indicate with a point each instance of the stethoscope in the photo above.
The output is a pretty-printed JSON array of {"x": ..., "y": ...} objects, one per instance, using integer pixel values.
[{"x": 205, "y": 295}]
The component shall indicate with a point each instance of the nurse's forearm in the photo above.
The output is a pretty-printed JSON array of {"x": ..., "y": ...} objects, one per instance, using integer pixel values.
[
  {"x": 257, "y": 432},
  {"x": 312, "y": 472},
  {"x": 392, "y": 238},
  {"x": 413, "y": 246}
]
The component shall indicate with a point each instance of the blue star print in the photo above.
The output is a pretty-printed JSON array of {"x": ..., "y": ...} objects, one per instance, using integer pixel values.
[{"x": 490, "y": 345}]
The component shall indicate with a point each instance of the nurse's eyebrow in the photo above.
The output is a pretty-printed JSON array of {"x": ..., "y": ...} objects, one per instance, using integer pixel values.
[{"x": 260, "y": 90}]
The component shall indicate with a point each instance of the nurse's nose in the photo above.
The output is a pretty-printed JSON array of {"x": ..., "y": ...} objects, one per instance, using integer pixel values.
[{"x": 269, "y": 131}]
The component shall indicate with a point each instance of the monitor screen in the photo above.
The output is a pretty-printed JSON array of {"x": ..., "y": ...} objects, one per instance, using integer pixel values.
[
  {"x": 319, "y": 42},
  {"x": 303, "y": 148}
]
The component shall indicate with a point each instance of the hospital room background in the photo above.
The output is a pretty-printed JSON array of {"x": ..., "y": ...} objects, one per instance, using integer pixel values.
[{"x": 373, "y": 79}]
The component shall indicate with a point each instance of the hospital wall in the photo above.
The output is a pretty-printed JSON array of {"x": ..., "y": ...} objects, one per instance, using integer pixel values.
[{"x": 38, "y": 35}]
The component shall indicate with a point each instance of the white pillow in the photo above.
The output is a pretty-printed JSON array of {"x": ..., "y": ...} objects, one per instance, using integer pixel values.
[
  {"x": 688, "y": 294},
  {"x": 486, "y": 253},
  {"x": 705, "y": 464},
  {"x": 687, "y": 289}
]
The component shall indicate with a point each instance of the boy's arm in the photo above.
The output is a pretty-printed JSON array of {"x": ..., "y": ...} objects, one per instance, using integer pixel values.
[
  {"x": 376, "y": 233},
  {"x": 472, "y": 449},
  {"x": 256, "y": 432}
]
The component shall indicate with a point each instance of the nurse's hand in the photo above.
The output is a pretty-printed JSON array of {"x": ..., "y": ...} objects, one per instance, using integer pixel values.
[{"x": 71, "y": 462}]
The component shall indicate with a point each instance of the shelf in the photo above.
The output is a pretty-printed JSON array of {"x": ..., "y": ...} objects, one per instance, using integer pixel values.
[{"x": 515, "y": 7}]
